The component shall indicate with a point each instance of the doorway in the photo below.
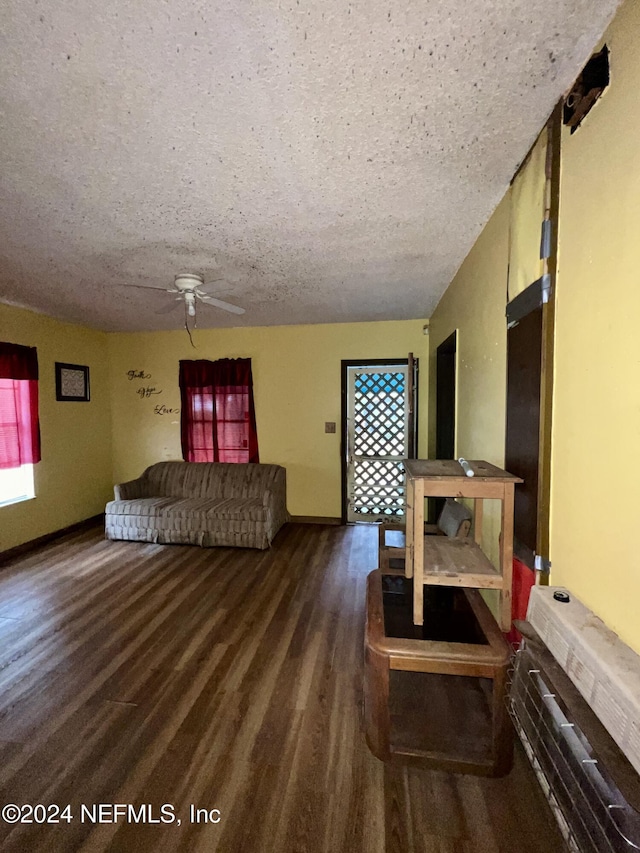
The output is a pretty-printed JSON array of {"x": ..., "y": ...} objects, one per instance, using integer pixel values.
[
  {"x": 379, "y": 432},
  {"x": 445, "y": 411},
  {"x": 522, "y": 450},
  {"x": 446, "y": 398}
]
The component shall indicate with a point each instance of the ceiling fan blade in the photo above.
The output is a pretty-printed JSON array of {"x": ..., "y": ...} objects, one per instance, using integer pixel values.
[
  {"x": 211, "y": 281},
  {"x": 170, "y": 307},
  {"x": 226, "y": 306},
  {"x": 199, "y": 288},
  {"x": 145, "y": 287}
]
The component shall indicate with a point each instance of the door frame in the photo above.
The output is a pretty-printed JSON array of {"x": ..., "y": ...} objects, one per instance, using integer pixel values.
[{"x": 363, "y": 362}]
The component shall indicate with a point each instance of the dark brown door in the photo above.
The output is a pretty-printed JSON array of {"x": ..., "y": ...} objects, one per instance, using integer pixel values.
[
  {"x": 446, "y": 398},
  {"x": 445, "y": 411},
  {"x": 522, "y": 454}
]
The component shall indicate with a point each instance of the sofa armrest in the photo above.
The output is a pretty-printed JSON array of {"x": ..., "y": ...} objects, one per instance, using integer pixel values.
[
  {"x": 130, "y": 490},
  {"x": 278, "y": 489},
  {"x": 275, "y": 498}
]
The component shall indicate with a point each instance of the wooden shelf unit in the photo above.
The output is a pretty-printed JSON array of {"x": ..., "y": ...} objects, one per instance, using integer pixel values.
[
  {"x": 455, "y": 562},
  {"x": 458, "y": 562},
  {"x": 391, "y": 546}
]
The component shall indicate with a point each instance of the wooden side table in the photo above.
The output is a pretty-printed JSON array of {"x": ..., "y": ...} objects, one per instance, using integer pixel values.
[{"x": 455, "y": 562}]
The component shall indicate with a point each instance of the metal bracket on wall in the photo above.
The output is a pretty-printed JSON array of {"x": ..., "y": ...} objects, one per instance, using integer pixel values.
[
  {"x": 537, "y": 294},
  {"x": 541, "y": 564},
  {"x": 545, "y": 239}
]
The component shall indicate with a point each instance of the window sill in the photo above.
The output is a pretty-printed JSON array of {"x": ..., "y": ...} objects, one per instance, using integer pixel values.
[{"x": 17, "y": 500}]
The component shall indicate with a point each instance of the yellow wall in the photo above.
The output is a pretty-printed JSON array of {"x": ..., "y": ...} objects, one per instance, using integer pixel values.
[
  {"x": 296, "y": 375},
  {"x": 596, "y": 415},
  {"x": 474, "y": 304},
  {"x": 528, "y": 199},
  {"x": 72, "y": 482},
  {"x": 596, "y": 434}
]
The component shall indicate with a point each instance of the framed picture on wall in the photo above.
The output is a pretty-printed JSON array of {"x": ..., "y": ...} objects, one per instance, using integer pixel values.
[{"x": 72, "y": 382}]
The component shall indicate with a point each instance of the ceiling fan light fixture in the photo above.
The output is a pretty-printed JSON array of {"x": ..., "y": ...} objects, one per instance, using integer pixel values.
[
  {"x": 190, "y": 302},
  {"x": 186, "y": 281}
]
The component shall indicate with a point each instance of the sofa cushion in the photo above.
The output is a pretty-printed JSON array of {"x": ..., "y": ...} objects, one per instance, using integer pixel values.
[
  {"x": 167, "y": 479},
  {"x": 139, "y": 506},
  {"x": 252, "y": 509},
  {"x": 210, "y": 479},
  {"x": 205, "y": 509}
]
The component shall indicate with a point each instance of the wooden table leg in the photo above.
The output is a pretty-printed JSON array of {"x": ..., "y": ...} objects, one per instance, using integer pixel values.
[
  {"x": 478, "y": 507},
  {"x": 377, "y": 722},
  {"x": 418, "y": 552},
  {"x": 408, "y": 531},
  {"x": 501, "y": 730},
  {"x": 377, "y": 717},
  {"x": 506, "y": 556}
]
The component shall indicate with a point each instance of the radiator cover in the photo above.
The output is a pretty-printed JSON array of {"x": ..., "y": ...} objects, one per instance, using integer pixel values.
[
  {"x": 592, "y": 787},
  {"x": 603, "y": 668}
]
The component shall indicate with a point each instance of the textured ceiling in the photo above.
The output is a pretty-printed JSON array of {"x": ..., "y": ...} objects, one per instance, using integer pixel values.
[{"x": 330, "y": 161}]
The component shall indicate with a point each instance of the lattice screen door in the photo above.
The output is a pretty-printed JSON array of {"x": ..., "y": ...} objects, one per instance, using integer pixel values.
[{"x": 378, "y": 426}]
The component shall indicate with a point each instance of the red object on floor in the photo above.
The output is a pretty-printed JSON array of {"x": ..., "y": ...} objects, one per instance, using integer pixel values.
[{"x": 523, "y": 579}]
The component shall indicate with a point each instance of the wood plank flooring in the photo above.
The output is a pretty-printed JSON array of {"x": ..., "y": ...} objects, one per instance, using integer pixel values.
[{"x": 224, "y": 679}]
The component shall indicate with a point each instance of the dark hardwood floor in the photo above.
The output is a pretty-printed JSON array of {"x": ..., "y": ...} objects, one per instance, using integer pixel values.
[{"x": 229, "y": 680}]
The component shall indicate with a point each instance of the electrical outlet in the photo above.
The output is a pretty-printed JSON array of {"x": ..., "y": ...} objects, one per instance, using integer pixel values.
[{"x": 330, "y": 426}]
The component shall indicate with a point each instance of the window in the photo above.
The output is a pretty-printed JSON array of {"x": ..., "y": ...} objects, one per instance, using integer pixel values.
[
  {"x": 201, "y": 423},
  {"x": 16, "y": 484},
  {"x": 19, "y": 427},
  {"x": 217, "y": 415}
]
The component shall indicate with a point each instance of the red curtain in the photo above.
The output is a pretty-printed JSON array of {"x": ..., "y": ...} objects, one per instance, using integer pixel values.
[
  {"x": 19, "y": 426},
  {"x": 217, "y": 416}
]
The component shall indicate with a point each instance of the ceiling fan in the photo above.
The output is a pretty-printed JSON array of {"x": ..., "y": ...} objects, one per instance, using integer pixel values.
[{"x": 188, "y": 286}]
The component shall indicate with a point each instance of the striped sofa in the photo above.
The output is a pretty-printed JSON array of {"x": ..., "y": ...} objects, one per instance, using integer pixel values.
[{"x": 201, "y": 503}]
